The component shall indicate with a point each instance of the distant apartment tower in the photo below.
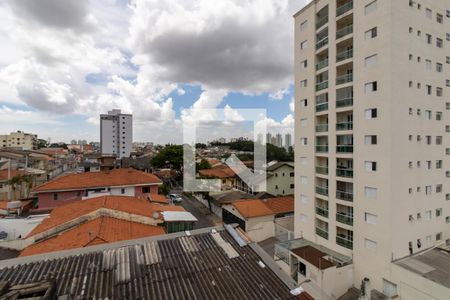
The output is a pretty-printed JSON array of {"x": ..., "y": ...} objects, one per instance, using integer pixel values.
[
  {"x": 116, "y": 134},
  {"x": 287, "y": 140},
  {"x": 268, "y": 138},
  {"x": 279, "y": 140},
  {"x": 19, "y": 139},
  {"x": 372, "y": 166}
]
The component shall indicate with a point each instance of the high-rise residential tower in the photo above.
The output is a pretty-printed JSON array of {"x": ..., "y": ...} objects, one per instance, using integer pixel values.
[
  {"x": 372, "y": 90},
  {"x": 279, "y": 140},
  {"x": 287, "y": 140},
  {"x": 116, "y": 133}
]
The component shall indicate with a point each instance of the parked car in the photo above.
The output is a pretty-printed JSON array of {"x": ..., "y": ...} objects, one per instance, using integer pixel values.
[{"x": 175, "y": 198}]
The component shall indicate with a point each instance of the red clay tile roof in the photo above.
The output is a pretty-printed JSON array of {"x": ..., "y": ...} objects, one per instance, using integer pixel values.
[
  {"x": 132, "y": 205},
  {"x": 3, "y": 204},
  {"x": 4, "y": 174},
  {"x": 98, "y": 231},
  {"x": 115, "y": 177},
  {"x": 221, "y": 171},
  {"x": 158, "y": 198},
  {"x": 280, "y": 205},
  {"x": 251, "y": 208}
]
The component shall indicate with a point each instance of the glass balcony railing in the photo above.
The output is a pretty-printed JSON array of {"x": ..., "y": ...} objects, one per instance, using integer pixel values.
[
  {"x": 344, "y": 102},
  {"x": 344, "y": 126},
  {"x": 344, "y": 148},
  {"x": 322, "y": 212},
  {"x": 322, "y": 190},
  {"x": 322, "y": 85},
  {"x": 344, "y": 8},
  {"x": 322, "y": 148},
  {"x": 344, "y": 31},
  {"x": 346, "y": 196},
  {"x": 342, "y": 172},
  {"x": 321, "y": 107},
  {"x": 344, "y": 79},
  {"x": 344, "y": 55},
  {"x": 322, "y": 170},
  {"x": 322, "y": 128},
  {"x": 322, "y": 21},
  {"x": 343, "y": 242},
  {"x": 323, "y": 42},
  {"x": 322, "y": 64},
  {"x": 344, "y": 219},
  {"x": 322, "y": 233}
]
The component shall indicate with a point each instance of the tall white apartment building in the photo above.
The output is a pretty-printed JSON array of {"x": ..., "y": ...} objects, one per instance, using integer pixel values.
[
  {"x": 116, "y": 133},
  {"x": 19, "y": 139},
  {"x": 279, "y": 140},
  {"x": 372, "y": 96}
]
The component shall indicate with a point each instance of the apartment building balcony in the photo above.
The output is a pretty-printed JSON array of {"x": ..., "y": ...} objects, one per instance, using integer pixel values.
[
  {"x": 322, "y": 64},
  {"x": 344, "y": 172},
  {"x": 323, "y": 170},
  {"x": 322, "y": 211},
  {"x": 343, "y": 195},
  {"x": 322, "y": 85},
  {"x": 343, "y": 8},
  {"x": 342, "y": 241},
  {"x": 344, "y": 102},
  {"x": 344, "y": 218},
  {"x": 344, "y": 148},
  {"x": 344, "y": 31},
  {"x": 322, "y": 128},
  {"x": 322, "y": 233},
  {"x": 322, "y": 190},
  {"x": 343, "y": 79},
  {"x": 321, "y": 22},
  {"x": 341, "y": 56},
  {"x": 322, "y": 43},
  {"x": 344, "y": 126},
  {"x": 322, "y": 148},
  {"x": 321, "y": 107}
]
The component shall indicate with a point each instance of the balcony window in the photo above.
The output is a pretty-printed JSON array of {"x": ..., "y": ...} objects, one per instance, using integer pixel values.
[{"x": 343, "y": 8}]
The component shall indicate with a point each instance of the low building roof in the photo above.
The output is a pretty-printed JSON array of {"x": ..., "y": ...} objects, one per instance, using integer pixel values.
[
  {"x": 158, "y": 198},
  {"x": 115, "y": 177},
  {"x": 314, "y": 257},
  {"x": 280, "y": 205},
  {"x": 279, "y": 164},
  {"x": 220, "y": 171},
  {"x": 433, "y": 264},
  {"x": 178, "y": 216},
  {"x": 131, "y": 205},
  {"x": 251, "y": 208},
  {"x": 202, "y": 265},
  {"x": 98, "y": 231}
]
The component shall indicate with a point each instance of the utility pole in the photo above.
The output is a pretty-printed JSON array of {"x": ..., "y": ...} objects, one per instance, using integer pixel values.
[{"x": 9, "y": 178}]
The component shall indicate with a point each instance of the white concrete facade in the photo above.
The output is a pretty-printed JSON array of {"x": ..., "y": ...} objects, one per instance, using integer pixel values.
[
  {"x": 372, "y": 130},
  {"x": 19, "y": 139},
  {"x": 116, "y": 134}
]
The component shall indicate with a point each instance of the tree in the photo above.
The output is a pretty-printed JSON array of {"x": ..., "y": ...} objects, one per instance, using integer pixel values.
[
  {"x": 204, "y": 164},
  {"x": 171, "y": 156},
  {"x": 277, "y": 153},
  {"x": 42, "y": 143}
]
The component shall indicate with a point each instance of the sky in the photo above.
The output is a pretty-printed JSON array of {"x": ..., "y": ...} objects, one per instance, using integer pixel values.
[{"x": 64, "y": 63}]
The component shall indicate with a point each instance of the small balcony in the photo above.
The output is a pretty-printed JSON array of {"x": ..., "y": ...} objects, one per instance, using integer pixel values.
[
  {"x": 342, "y": 9},
  {"x": 322, "y": 148},
  {"x": 344, "y": 102},
  {"x": 322, "y": 85},
  {"x": 341, "y": 241},
  {"x": 322, "y": 107},
  {"x": 322, "y": 128},
  {"x": 322, "y": 233},
  {"x": 344, "y": 195},
  {"x": 346, "y": 78},
  {"x": 344, "y": 126},
  {"x": 344, "y": 31},
  {"x": 322, "y": 211},
  {"x": 322, "y": 64},
  {"x": 322, "y": 43},
  {"x": 322, "y": 190},
  {"x": 322, "y": 170},
  {"x": 321, "y": 21},
  {"x": 347, "y": 54},
  {"x": 344, "y": 172},
  {"x": 344, "y": 218}
]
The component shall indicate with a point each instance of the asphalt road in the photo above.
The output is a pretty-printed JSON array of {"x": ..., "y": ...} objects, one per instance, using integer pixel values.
[{"x": 203, "y": 220}]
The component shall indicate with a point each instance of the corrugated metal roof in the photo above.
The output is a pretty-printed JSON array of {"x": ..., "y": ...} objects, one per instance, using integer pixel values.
[
  {"x": 179, "y": 267},
  {"x": 178, "y": 216}
]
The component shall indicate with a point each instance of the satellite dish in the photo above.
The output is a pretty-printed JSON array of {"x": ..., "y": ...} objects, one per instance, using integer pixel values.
[{"x": 155, "y": 215}]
